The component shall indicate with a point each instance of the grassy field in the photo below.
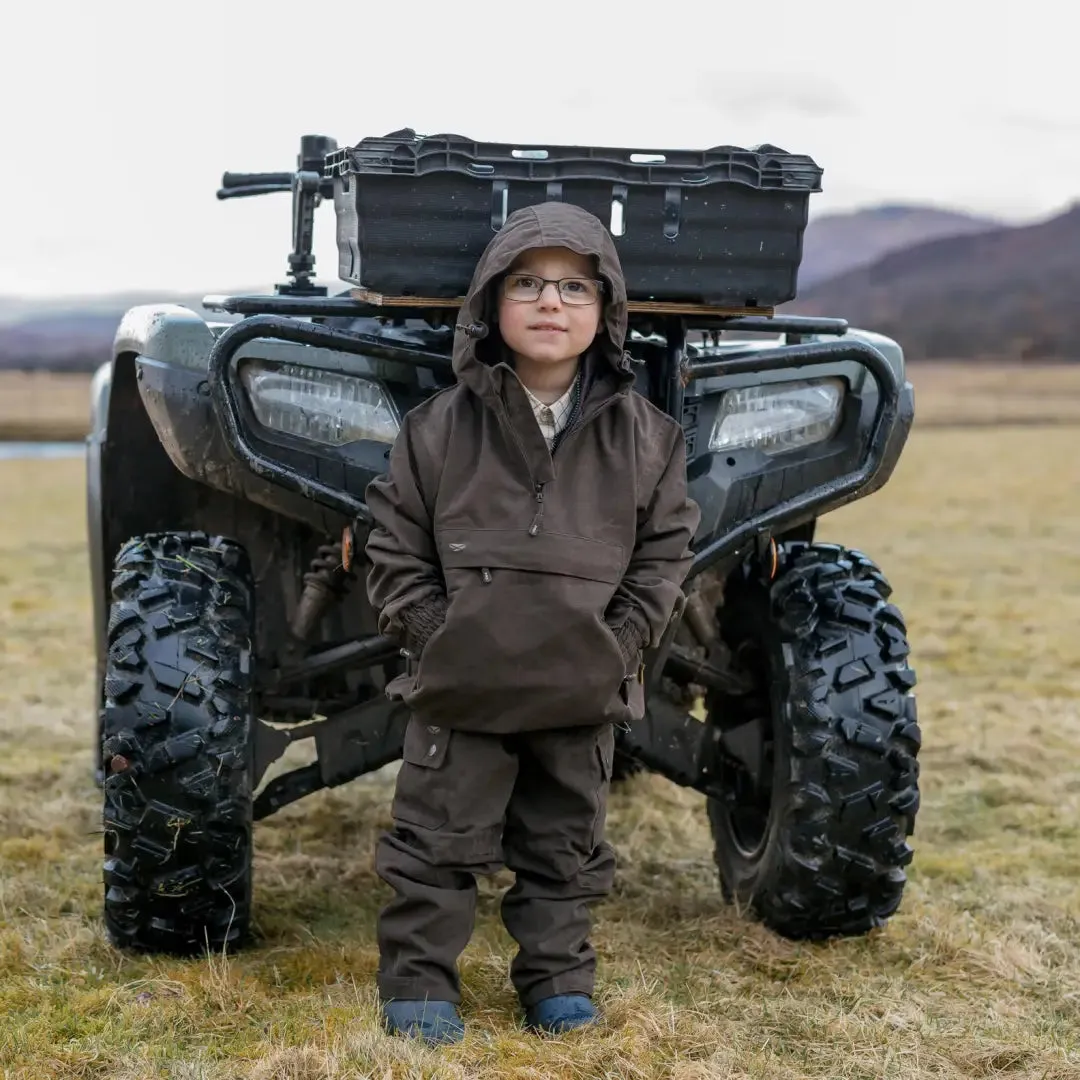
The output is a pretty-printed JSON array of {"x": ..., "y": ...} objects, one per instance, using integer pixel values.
[
  {"x": 41, "y": 406},
  {"x": 978, "y": 976},
  {"x": 948, "y": 393}
]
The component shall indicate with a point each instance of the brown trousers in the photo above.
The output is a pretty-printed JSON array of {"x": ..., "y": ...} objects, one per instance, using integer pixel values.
[{"x": 467, "y": 803}]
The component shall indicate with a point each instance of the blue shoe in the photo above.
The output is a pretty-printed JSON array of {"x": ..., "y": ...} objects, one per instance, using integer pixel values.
[
  {"x": 430, "y": 1021},
  {"x": 561, "y": 1013}
]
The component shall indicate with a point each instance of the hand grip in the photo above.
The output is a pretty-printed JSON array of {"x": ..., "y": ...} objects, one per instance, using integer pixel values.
[{"x": 239, "y": 179}]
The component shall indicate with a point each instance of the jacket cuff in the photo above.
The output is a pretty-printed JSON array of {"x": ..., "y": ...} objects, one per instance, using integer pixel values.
[
  {"x": 422, "y": 619},
  {"x": 631, "y": 639}
]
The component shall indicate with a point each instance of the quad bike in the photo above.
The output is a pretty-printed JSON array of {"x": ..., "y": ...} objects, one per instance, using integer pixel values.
[{"x": 226, "y": 470}]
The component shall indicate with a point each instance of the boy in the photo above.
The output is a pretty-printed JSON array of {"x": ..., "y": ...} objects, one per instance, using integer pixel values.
[{"x": 531, "y": 538}]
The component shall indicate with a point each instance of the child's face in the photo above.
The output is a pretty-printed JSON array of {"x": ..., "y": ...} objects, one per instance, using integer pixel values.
[{"x": 548, "y": 329}]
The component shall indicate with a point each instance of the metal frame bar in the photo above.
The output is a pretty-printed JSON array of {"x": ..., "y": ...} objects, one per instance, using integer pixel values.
[
  {"x": 361, "y": 653},
  {"x": 674, "y": 365},
  {"x": 780, "y": 324}
]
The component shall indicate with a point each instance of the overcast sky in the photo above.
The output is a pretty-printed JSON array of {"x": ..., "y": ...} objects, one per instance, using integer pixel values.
[{"x": 117, "y": 119}]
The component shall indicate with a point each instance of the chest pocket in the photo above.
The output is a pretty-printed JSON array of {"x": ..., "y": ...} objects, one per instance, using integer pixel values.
[{"x": 558, "y": 554}]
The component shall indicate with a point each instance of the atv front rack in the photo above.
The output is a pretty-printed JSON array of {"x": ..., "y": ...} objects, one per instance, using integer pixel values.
[{"x": 281, "y": 318}]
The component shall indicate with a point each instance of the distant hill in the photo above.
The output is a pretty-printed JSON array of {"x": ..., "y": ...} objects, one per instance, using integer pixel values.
[
  {"x": 944, "y": 284},
  {"x": 19, "y": 309},
  {"x": 837, "y": 243},
  {"x": 1010, "y": 292},
  {"x": 62, "y": 342},
  {"x": 76, "y": 333}
]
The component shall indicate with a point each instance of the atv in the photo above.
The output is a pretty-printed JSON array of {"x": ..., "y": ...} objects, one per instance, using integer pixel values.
[{"x": 226, "y": 469}]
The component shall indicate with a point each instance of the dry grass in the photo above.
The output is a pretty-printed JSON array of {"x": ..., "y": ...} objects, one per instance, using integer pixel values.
[
  {"x": 40, "y": 406},
  {"x": 962, "y": 392},
  {"x": 978, "y": 976}
]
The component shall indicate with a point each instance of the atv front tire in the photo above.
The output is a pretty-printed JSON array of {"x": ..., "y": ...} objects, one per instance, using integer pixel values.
[
  {"x": 814, "y": 840},
  {"x": 176, "y": 745}
]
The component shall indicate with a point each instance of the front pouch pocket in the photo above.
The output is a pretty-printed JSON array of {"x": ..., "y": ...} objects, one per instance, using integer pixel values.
[
  {"x": 524, "y": 645},
  {"x": 421, "y": 794}
]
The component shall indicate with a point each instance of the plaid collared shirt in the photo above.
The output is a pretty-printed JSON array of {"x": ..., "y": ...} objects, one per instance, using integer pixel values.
[{"x": 554, "y": 418}]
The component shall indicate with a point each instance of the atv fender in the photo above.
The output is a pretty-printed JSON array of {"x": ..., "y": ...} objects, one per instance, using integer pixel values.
[{"x": 100, "y": 390}]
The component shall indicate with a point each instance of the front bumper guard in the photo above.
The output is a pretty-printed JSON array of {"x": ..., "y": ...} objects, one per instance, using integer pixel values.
[
  {"x": 224, "y": 384},
  {"x": 225, "y": 390},
  {"x": 810, "y": 354}
]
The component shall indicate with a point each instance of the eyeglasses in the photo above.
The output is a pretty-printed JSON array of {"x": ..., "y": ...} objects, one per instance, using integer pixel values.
[{"x": 525, "y": 288}]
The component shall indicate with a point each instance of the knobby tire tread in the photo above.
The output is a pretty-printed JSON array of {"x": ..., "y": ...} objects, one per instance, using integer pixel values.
[
  {"x": 176, "y": 746},
  {"x": 835, "y": 858}
]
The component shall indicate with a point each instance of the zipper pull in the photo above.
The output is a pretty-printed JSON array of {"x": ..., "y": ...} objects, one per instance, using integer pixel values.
[
  {"x": 485, "y": 575},
  {"x": 534, "y": 528}
]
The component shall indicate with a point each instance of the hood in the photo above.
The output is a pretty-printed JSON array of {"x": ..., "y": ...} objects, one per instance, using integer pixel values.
[{"x": 549, "y": 224}]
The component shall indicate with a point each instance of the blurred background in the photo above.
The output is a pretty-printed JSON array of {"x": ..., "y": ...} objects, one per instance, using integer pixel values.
[{"x": 948, "y": 136}]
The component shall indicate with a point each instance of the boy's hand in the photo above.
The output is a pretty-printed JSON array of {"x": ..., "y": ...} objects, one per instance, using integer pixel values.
[
  {"x": 405, "y": 581},
  {"x": 652, "y": 585},
  {"x": 631, "y": 641},
  {"x": 422, "y": 619}
]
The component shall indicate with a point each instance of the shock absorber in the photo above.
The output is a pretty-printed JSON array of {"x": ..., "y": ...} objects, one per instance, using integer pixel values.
[{"x": 325, "y": 583}]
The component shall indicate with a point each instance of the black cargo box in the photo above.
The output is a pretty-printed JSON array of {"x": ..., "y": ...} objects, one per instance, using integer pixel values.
[{"x": 722, "y": 227}]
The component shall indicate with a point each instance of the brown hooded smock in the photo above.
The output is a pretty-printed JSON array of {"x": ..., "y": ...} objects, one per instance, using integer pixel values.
[{"x": 528, "y": 581}]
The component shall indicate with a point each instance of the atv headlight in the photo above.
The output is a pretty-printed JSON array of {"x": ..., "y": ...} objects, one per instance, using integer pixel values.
[
  {"x": 778, "y": 417},
  {"x": 323, "y": 406}
]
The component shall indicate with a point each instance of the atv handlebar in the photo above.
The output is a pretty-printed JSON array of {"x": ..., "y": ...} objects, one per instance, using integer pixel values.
[
  {"x": 308, "y": 188},
  {"x": 306, "y": 182},
  {"x": 244, "y": 179},
  {"x": 240, "y": 185}
]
